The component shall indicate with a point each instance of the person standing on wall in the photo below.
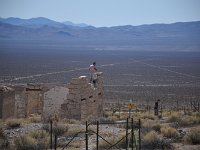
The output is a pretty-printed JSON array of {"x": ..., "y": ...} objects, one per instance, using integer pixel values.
[{"x": 93, "y": 75}]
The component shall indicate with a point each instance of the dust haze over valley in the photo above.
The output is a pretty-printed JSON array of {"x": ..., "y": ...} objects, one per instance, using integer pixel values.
[{"x": 143, "y": 63}]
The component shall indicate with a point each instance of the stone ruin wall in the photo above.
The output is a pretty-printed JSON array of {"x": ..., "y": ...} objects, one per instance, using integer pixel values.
[
  {"x": 28, "y": 100},
  {"x": 7, "y": 102},
  {"x": 54, "y": 97},
  {"x": 84, "y": 101},
  {"x": 77, "y": 100}
]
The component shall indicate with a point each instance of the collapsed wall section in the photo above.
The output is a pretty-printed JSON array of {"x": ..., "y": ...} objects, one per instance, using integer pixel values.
[
  {"x": 34, "y": 103},
  {"x": 20, "y": 102},
  {"x": 84, "y": 100},
  {"x": 77, "y": 100},
  {"x": 7, "y": 102},
  {"x": 54, "y": 97}
]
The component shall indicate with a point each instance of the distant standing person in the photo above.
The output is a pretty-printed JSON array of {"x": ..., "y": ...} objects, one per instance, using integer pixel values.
[{"x": 93, "y": 75}]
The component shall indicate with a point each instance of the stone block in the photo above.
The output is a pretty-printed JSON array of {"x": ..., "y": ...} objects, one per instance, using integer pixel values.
[
  {"x": 75, "y": 81},
  {"x": 73, "y": 86}
]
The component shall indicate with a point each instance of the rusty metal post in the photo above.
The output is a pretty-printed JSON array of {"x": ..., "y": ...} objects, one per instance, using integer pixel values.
[
  {"x": 139, "y": 134},
  {"x": 86, "y": 136},
  {"x": 97, "y": 135},
  {"x": 51, "y": 135},
  {"x": 132, "y": 133},
  {"x": 55, "y": 144},
  {"x": 127, "y": 134}
]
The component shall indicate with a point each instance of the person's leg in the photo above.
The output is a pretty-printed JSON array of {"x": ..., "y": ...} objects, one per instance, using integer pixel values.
[{"x": 91, "y": 80}]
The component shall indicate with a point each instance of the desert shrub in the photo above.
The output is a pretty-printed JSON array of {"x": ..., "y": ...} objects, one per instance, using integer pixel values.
[
  {"x": 1, "y": 122},
  {"x": 75, "y": 144},
  {"x": 157, "y": 127},
  {"x": 13, "y": 123},
  {"x": 106, "y": 114},
  {"x": 108, "y": 119},
  {"x": 24, "y": 142},
  {"x": 169, "y": 132},
  {"x": 152, "y": 140},
  {"x": 193, "y": 137},
  {"x": 3, "y": 144},
  {"x": 147, "y": 116},
  {"x": 3, "y": 139},
  {"x": 195, "y": 119},
  {"x": 46, "y": 127},
  {"x": 71, "y": 121},
  {"x": 1, "y": 132},
  {"x": 60, "y": 129},
  {"x": 38, "y": 134},
  {"x": 34, "y": 140},
  {"x": 35, "y": 119},
  {"x": 174, "y": 118},
  {"x": 185, "y": 120},
  {"x": 112, "y": 140},
  {"x": 148, "y": 123},
  {"x": 74, "y": 130}
]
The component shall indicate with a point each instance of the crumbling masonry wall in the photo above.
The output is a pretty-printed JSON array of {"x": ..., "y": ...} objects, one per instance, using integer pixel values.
[
  {"x": 7, "y": 102},
  {"x": 53, "y": 98},
  {"x": 76, "y": 100},
  {"x": 82, "y": 101}
]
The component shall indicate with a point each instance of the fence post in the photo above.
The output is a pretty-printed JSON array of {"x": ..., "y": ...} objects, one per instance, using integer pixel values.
[
  {"x": 132, "y": 133},
  {"x": 86, "y": 136},
  {"x": 51, "y": 136},
  {"x": 139, "y": 134},
  {"x": 127, "y": 134},
  {"x": 97, "y": 135},
  {"x": 55, "y": 145}
]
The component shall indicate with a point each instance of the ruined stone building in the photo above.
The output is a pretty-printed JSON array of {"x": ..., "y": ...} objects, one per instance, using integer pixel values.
[{"x": 76, "y": 100}]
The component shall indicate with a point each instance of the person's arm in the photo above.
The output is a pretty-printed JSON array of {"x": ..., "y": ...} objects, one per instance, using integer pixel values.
[
  {"x": 95, "y": 68},
  {"x": 89, "y": 68}
]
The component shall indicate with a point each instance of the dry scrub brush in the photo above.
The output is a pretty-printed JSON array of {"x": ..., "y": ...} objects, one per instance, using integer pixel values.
[
  {"x": 193, "y": 137},
  {"x": 152, "y": 140},
  {"x": 13, "y": 123},
  {"x": 58, "y": 130},
  {"x": 169, "y": 132},
  {"x": 34, "y": 140},
  {"x": 113, "y": 140},
  {"x": 184, "y": 120}
]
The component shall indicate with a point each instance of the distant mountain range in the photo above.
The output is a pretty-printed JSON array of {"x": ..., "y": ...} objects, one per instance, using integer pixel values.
[
  {"x": 38, "y": 22},
  {"x": 177, "y": 36}
]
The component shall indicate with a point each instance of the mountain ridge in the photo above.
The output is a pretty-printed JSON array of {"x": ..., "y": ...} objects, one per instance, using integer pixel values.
[
  {"x": 38, "y": 21},
  {"x": 177, "y": 36}
]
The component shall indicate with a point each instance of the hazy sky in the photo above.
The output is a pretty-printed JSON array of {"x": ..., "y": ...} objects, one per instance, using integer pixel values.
[{"x": 104, "y": 12}]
